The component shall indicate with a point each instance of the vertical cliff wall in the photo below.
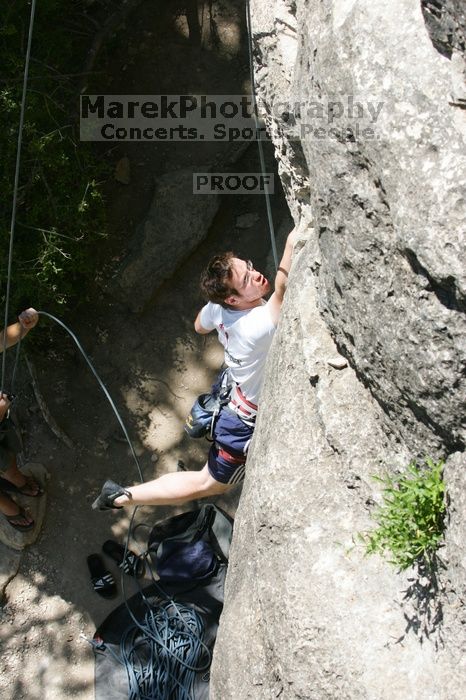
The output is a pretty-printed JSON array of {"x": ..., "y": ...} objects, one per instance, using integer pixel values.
[{"x": 365, "y": 101}]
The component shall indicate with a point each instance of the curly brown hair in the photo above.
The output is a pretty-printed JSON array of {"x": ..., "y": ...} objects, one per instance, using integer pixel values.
[{"x": 215, "y": 279}]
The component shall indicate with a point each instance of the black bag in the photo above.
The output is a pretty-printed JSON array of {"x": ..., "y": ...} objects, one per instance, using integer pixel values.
[{"x": 190, "y": 546}]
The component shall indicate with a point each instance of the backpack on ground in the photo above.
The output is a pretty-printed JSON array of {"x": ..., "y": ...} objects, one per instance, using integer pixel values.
[{"x": 191, "y": 546}]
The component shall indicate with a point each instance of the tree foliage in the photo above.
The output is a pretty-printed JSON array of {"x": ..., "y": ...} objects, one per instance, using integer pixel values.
[{"x": 60, "y": 213}]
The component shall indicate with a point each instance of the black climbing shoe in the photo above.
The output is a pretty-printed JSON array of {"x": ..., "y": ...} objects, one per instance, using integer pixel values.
[
  {"x": 102, "y": 580},
  {"x": 110, "y": 491},
  {"x": 131, "y": 564}
]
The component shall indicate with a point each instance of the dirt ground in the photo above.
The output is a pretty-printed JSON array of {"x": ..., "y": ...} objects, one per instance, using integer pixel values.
[{"x": 153, "y": 364}]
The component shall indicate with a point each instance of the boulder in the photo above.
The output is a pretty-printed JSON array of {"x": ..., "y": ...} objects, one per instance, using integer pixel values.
[{"x": 175, "y": 224}]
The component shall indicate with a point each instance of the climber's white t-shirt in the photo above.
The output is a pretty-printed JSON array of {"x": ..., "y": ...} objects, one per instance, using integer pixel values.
[{"x": 246, "y": 337}]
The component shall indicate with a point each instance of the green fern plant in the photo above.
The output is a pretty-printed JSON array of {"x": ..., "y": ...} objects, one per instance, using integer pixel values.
[{"x": 410, "y": 521}]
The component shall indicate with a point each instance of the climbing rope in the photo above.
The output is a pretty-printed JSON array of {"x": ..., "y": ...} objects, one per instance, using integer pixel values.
[
  {"x": 259, "y": 140},
  {"x": 164, "y": 663},
  {"x": 162, "y": 655},
  {"x": 15, "y": 187},
  {"x": 101, "y": 384}
]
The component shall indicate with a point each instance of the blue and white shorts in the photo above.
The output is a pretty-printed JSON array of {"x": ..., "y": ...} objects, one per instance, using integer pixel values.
[{"x": 227, "y": 456}]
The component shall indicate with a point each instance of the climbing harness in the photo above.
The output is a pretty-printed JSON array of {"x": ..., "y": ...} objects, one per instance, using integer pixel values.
[{"x": 239, "y": 404}]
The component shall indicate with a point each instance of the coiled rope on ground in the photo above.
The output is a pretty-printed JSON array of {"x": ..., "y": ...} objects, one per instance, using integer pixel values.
[{"x": 163, "y": 653}]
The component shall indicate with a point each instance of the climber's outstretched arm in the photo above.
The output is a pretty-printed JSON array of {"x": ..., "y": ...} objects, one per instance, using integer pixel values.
[{"x": 281, "y": 278}]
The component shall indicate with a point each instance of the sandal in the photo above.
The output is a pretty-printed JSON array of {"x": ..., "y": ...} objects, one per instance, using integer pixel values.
[
  {"x": 132, "y": 564},
  {"x": 29, "y": 484},
  {"x": 20, "y": 515},
  {"x": 102, "y": 580}
]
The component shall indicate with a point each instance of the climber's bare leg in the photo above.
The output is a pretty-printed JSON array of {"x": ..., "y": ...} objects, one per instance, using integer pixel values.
[{"x": 174, "y": 488}]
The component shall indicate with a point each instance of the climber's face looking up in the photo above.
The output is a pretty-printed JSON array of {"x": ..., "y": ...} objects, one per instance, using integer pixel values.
[{"x": 249, "y": 284}]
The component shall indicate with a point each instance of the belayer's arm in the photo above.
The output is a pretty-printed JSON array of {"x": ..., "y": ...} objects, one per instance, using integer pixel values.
[{"x": 27, "y": 320}]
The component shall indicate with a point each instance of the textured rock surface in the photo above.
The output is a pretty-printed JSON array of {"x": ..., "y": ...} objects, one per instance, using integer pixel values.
[
  {"x": 183, "y": 226},
  {"x": 380, "y": 280},
  {"x": 446, "y": 24},
  {"x": 454, "y": 553}
]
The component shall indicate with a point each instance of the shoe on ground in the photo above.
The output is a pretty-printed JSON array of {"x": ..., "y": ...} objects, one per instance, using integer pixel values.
[
  {"x": 102, "y": 580},
  {"x": 132, "y": 564}
]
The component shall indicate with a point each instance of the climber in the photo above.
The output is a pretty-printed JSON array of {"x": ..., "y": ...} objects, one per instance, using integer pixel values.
[
  {"x": 12, "y": 480},
  {"x": 245, "y": 324}
]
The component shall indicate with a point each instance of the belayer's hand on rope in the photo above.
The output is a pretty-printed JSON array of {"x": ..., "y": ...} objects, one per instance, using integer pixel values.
[
  {"x": 16, "y": 331},
  {"x": 28, "y": 319},
  {"x": 12, "y": 335}
]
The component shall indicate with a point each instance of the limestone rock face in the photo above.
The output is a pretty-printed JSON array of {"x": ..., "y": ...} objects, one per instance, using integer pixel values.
[
  {"x": 182, "y": 226},
  {"x": 363, "y": 99}
]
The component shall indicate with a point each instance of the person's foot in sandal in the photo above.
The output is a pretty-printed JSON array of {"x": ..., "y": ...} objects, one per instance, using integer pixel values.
[
  {"x": 102, "y": 580},
  {"x": 26, "y": 485},
  {"x": 132, "y": 564},
  {"x": 21, "y": 521},
  {"x": 16, "y": 516}
]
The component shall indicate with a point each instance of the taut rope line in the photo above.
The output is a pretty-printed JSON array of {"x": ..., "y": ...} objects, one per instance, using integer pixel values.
[
  {"x": 16, "y": 184},
  {"x": 259, "y": 141}
]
